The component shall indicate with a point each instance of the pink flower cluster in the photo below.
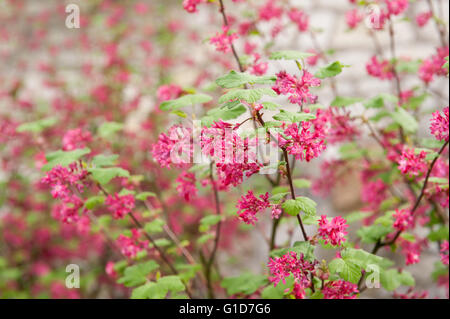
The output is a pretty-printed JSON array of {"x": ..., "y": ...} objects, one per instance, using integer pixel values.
[
  {"x": 396, "y": 7},
  {"x": 62, "y": 179},
  {"x": 248, "y": 206},
  {"x": 423, "y": 18},
  {"x": 120, "y": 206},
  {"x": 411, "y": 250},
  {"x": 379, "y": 69},
  {"x": 224, "y": 40},
  {"x": 233, "y": 155},
  {"x": 334, "y": 126},
  {"x": 300, "y": 18},
  {"x": 186, "y": 185},
  {"x": 298, "y": 90},
  {"x": 173, "y": 147},
  {"x": 353, "y": 18},
  {"x": 169, "y": 92},
  {"x": 191, "y": 5},
  {"x": 340, "y": 289},
  {"x": 76, "y": 138},
  {"x": 402, "y": 219},
  {"x": 333, "y": 232},
  {"x": 444, "y": 252},
  {"x": 302, "y": 142},
  {"x": 291, "y": 264},
  {"x": 411, "y": 164},
  {"x": 233, "y": 173},
  {"x": 130, "y": 247},
  {"x": 433, "y": 65},
  {"x": 440, "y": 125},
  {"x": 270, "y": 11},
  {"x": 64, "y": 182}
]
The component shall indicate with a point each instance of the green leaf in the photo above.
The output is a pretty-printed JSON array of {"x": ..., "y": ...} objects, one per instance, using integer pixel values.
[
  {"x": 329, "y": 71},
  {"x": 271, "y": 106},
  {"x": 340, "y": 101},
  {"x": 301, "y": 183},
  {"x": 286, "y": 116},
  {"x": 172, "y": 283},
  {"x": 307, "y": 205},
  {"x": 235, "y": 79},
  {"x": 445, "y": 65},
  {"x": 292, "y": 207},
  {"x": 159, "y": 289},
  {"x": 350, "y": 151},
  {"x": 289, "y": 55},
  {"x": 136, "y": 275},
  {"x": 105, "y": 160},
  {"x": 379, "y": 101},
  {"x": 278, "y": 197},
  {"x": 208, "y": 221},
  {"x": 406, "y": 66},
  {"x": 37, "y": 126},
  {"x": 438, "y": 235},
  {"x": 405, "y": 120},
  {"x": 245, "y": 284},
  {"x": 363, "y": 258},
  {"x": 299, "y": 247},
  {"x": 355, "y": 216},
  {"x": 146, "y": 291},
  {"x": 94, "y": 201},
  {"x": 391, "y": 279},
  {"x": 107, "y": 129},
  {"x": 185, "y": 100},
  {"x": 371, "y": 234},
  {"x": 278, "y": 292},
  {"x": 348, "y": 270},
  {"x": 431, "y": 143},
  {"x": 204, "y": 238},
  {"x": 64, "y": 158},
  {"x": 223, "y": 114},
  {"x": 248, "y": 95},
  {"x": 105, "y": 175},
  {"x": 155, "y": 226},
  {"x": 145, "y": 195}
]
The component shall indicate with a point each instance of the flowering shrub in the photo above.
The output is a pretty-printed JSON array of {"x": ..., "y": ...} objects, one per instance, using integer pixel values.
[{"x": 156, "y": 186}]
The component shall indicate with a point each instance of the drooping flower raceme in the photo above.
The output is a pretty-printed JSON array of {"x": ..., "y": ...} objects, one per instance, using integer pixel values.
[
  {"x": 223, "y": 41},
  {"x": 302, "y": 142},
  {"x": 300, "y": 18},
  {"x": 234, "y": 156},
  {"x": 131, "y": 246},
  {"x": 186, "y": 185},
  {"x": 119, "y": 205},
  {"x": 402, "y": 219},
  {"x": 297, "y": 90},
  {"x": 433, "y": 65},
  {"x": 353, "y": 18},
  {"x": 191, "y": 5},
  {"x": 444, "y": 252},
  {"x": 249, "y": 205},
  {"x": 340, "y": 289},
  {"x": 76, "y": 138},
  {"x": 173, "y": 148},
  {"x": 379, "y": 69},
  {"x": 423, "y": 18},
  {"x": 411, "y": 164},
  {"x": 292, "y": 264},
  {"x": 440, "y": 125},
  {"x": 333, "y": 231}
]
